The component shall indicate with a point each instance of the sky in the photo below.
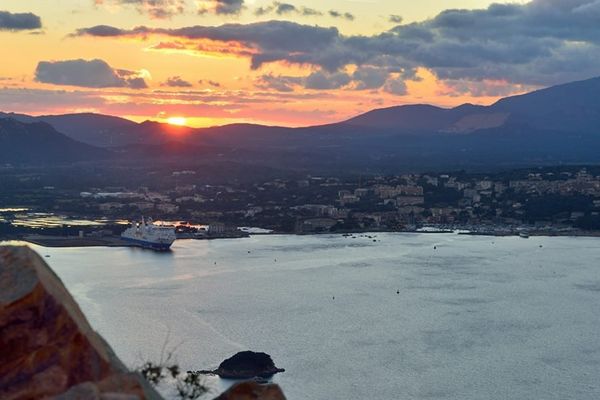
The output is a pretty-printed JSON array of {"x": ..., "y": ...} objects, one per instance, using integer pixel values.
[{"x": 289, "y": 62}]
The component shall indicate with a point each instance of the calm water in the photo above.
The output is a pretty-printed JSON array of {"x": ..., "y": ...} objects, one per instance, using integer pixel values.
[{"x": 476, "y": 318}]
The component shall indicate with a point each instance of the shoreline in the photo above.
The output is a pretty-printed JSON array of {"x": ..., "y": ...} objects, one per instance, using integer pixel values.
[{"x": 49, "y": 241}]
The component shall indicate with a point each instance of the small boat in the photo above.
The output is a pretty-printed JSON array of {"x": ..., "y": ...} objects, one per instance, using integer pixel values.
[{"x": 524, "y": 235}]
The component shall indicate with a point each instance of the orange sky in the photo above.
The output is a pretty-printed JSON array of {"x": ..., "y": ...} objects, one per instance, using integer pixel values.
[{"x": 211, "y": 82}]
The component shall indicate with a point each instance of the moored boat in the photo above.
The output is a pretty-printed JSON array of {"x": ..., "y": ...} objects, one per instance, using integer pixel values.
[{"x": 147, "y": 235}]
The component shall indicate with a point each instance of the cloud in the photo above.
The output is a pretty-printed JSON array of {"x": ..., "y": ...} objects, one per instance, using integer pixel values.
[
  {"x": 484, "y": 88},
  {"x": 220, "y": 7},
  {"x": 19, "y": 22},
  {"x": 92, "y": 74},
  {"x": 370, "y": 77},
  {"x": 41, "y": 101},
  {"x": 176, "y": 81},
  {"x": 280, "y": 8},
  {"x": 539, "y": 43},
  {"x": 396, "y": 86},
  {"x": 322, "y": 80},
  {"x": 279, "y": 83},
  {"x": 365, "y": 78},
  {"x": 263, "y": 42},
  {"x": 395, "y": 19},
  {"x": 345, "y": 15},
  {"x": 158, "y": 9},
  {"x": 284, "y": 8},
  {"x": 210, "y": 82}
]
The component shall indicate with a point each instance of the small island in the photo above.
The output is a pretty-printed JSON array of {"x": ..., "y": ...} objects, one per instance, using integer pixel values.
[{"x": 246, "y": 365}]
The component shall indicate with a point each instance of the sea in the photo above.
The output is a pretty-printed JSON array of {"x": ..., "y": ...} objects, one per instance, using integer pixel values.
[{"x": 369, "y": 316}]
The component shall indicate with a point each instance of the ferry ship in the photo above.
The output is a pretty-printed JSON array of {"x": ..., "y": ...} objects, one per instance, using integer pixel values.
[{"x": 150, "y": 236}]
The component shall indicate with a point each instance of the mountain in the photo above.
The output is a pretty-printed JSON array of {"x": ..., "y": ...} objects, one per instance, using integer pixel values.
[
  {"x": 422, "y": 118},
  {"x": 570, "y": 107},
  {"x": 555, "y": 125},
  {"x": 40, "y": 143},
  {"x": 90, "y": 128}
]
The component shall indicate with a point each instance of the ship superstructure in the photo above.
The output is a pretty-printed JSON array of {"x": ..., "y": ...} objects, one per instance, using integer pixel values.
[{"x": 146, "y": 234}]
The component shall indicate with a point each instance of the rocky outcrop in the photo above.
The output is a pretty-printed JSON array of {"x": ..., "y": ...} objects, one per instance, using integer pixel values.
[
  {"x": 252, "y": 391},
  {"x": 48, "y": 350},
  {"x": 246, "y": 365}
]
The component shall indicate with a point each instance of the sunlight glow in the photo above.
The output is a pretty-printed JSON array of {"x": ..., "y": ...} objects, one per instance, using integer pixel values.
[{"x": 179, "y": 121}]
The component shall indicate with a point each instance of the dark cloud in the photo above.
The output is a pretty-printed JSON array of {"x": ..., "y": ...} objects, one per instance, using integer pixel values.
[
  {"x": 176, "y": 81},
  {"x": 284, "y": 8},
  {"x": 280, "y": 8},
  {"x": 310, "y": 12},
  {"x": 266, "y": 42},
  {"x": 210, "y": 82},
  {"x": 260, "y": 11},
  {"x": 364, "y": 78},
  {"x": 370, "y": 77},
  {"x": 221, "y": 7},
  {"x": 539, "y": 43},
  {"x": 345, "y": 15},
  {"x": 100, "y": 31},
  {"x": 395, "y": 19},
  {"x": 279, "y": 83},
  {"x": 481, "y": 88},
  {"x": 322, "y": 80},
  {"x": 396, "y": 87},
  {"x": 159, "y": 9},
  {"x": 19, "y": 22},
  {"x": 92, "y": 74}
]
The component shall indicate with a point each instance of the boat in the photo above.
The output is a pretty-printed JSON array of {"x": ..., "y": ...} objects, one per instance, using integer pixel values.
[
  {"x": 524, "y": 235},
  {"x": 150, "y": 236}
]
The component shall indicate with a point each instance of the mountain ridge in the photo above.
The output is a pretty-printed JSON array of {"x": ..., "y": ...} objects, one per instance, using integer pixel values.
[
  {"x": 40, "y": 143},
  {"x": 549, "y": 108},
  {"x": 551, "y": 125}
]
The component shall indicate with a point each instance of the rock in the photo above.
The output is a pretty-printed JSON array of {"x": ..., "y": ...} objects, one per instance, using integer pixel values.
[
  {"x": 48, "y": 348},
  {"x": 246, "y": 365},
  {"x": 252, "y": 391}
]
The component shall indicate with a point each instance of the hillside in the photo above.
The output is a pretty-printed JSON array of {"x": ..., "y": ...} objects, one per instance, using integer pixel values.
[
  {"x": 553, "y": 125},
  {"x": 39, "y": 143}
]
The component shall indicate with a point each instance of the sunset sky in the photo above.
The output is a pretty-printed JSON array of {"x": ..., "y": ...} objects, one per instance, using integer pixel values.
[{"x": 293, "y": 62}]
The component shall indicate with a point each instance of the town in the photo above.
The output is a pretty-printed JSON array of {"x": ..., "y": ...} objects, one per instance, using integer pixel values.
[{"x": 560, "y": 200}]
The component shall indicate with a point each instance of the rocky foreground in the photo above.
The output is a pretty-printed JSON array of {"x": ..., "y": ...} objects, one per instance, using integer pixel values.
[{"x": 50, "y": 351}]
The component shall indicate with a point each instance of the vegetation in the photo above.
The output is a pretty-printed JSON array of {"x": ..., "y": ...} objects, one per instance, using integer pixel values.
[{"x": 187, "y": 385}]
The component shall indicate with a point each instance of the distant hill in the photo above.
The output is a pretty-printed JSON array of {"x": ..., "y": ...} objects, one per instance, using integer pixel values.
[
  {"x": 572, "y": 107},
  {"x": 40, "y": 143},
  {"x": 90, "y": 128},
  {"x": 424, "y": 118},
  {"x": 555, "y": 125}
]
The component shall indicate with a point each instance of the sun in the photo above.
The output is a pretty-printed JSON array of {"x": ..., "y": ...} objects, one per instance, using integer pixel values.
[{"x": 179, "y": 121}]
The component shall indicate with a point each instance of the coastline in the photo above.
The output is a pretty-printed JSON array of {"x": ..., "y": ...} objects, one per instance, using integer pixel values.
[{"x": 114, "y": 241}]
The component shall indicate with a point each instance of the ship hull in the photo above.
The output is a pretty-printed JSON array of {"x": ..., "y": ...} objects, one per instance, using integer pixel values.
[{"x": 149, "y": 245}]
